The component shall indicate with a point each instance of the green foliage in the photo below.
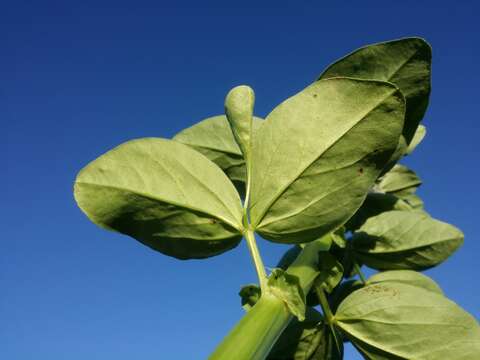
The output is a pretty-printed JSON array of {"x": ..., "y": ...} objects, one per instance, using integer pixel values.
[
  {"x": 299, "y": 198},
  {"x": 319, "y": 172},
  {"x": 405, "y": 240},
  {"x": 163, "y": 194},
  {"x": 392, "y": 320}
]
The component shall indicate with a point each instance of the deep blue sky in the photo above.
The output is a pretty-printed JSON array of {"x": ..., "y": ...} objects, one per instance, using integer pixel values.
[{"x": 79, "y": 77}]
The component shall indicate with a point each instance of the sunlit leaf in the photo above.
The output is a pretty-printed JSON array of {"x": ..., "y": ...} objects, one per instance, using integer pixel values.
[
  {"x": 164, "y": 194},
  {"x": 310, "y": 172},
  {"x": 391, "y": 320}
]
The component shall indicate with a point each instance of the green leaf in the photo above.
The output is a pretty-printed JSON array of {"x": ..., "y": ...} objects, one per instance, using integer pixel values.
[
  {"x": 374, "y": 204},
  {"x": 310, "y": 339},
  {"x": 341, "y": 292},
  {"x": 287, "y": 288},
  {"x": 408, "y": 277},
  {"x": 296, "y": 337},
  {"x": 239, "y": 110},
  {"x": 404, "y": 62},
  {"x": 164, "y": 194},
  {"x": 392, "y": 320},
  {"x": 310, "y": 172},
  {"x": 399, "y": 181},
  {"x": 289, "y": 257},
  {"x": 414, "y": 201},
  {"x": 405, "y": 240},
  {"x": 213, "y": 137},
  {"x": 249, "y": 294},
  {"x": 417, "y": 138},
  {"x": 331, "y": 272}
]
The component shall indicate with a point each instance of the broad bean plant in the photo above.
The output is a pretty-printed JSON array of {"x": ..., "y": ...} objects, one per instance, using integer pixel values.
[{"x": 321, "y": 175}]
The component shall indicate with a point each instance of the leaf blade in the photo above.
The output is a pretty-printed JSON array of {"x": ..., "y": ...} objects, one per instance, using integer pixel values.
[
  {"x": 329, "y": 155},
  {"x": 162, "y": 193},
  {"x": 403, "y": 62},
  {"x": 384, "y": 317}
]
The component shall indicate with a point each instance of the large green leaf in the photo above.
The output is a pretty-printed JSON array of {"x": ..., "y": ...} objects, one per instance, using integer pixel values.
[
  {"x": 405, "y": 63},
  {"x": 408, "y": 277},
  {"x": 399, "y": 181},
  {"x": 405, "y": 240},
  {"x": 164, "y": 194},
  {"x": 310, "y": 171},
  {"x": 391, "y": 320},
  {"x": 213, "y": 137}
]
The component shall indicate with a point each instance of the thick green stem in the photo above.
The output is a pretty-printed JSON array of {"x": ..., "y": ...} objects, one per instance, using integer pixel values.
[
  {"x": 256, "y": 333},
  {"x": 257, "y": 259}
]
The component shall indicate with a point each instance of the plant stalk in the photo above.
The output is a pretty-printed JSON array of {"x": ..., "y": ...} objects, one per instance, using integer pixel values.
[
  {"x": 256, "y": 333},
  {"x": 257, "y": 259}
]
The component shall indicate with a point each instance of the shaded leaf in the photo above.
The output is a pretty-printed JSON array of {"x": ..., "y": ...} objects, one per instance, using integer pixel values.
[
  {"x": 399, "y": 181},
  {"x": 165, "y": 195},
  {"x": 408, "y": 277},
  {"x": 391, "y": 320},
  {"x": 405, "y": 240},
  {"x": 289, "y": 257},
  {"x": 331, "y": 272},
  {"x": 404, "y": 62},
  {"x": 374, "y": 204},
  {"x": 307, "y": 340},
  {"x": 249, "y": 294},
  {"x": 213, "y": 137},
  {"x": 310, "y": 172}
]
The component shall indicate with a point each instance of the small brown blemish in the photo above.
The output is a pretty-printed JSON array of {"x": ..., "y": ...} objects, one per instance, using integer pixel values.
[
  {"x": 212, "y": 221},
  {"x": 315, "y": 95},
  {"x": 360, "y": 171}
]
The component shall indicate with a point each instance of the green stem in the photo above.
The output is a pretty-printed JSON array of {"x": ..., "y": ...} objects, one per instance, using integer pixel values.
[
  {"x": 257, "y": 259},
  {"x": 328, "y": 314},
  {"x": 256, "y": 333},
  {"x": 324, "y": 304},
  {"x": 359, "y": 272}
]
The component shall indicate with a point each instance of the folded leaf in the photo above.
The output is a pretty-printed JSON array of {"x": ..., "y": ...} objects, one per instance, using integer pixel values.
[
  {"x": 164, "y": 194},
  {"x": 213, "y": 137},
  {"x": 287, "y": 288},
  {"x": 405, "y": 240},
  {"x": 249, "y": 294},
  {"x": 417, "y": 138},
  {"x": 404, "y": 62},
  {"x": 391, "y": 320},
  {"x": 310, "y": 171},
  {"x": 399, "y": 181},
  {"x": 408, "y": 277},
  {"x": 239, "y": 110}
]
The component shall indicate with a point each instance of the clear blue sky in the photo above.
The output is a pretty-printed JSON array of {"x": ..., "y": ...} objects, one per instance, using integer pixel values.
[{"x": 79, "y": 77}]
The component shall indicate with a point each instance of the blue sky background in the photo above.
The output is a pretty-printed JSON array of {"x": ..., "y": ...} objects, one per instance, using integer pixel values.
[{"x": 79, "y": 77}]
